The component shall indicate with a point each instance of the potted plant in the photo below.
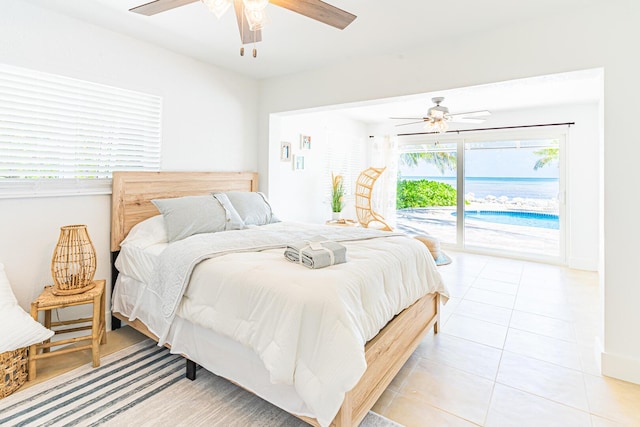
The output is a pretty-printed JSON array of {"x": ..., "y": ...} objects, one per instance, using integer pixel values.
[{"x": 337, "y": 195}]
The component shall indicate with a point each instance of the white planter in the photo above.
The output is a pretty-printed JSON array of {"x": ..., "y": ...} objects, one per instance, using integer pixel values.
[{"x": 336, "y": 215}]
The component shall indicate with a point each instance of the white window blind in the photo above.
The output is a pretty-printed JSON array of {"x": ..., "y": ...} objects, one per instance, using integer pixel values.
[{"x": 58, "y": 134}]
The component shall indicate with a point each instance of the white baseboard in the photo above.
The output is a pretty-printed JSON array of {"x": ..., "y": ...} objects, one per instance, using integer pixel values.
[{"x": 621, "y": 367}]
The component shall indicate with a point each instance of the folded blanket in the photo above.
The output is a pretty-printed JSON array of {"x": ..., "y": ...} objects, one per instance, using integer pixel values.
[{"x": 317, "y": 252}]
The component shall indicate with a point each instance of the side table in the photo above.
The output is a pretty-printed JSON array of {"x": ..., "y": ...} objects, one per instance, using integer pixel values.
[
  {"x": 47, "y": 301},
  {"x": 343, "y": 222}
]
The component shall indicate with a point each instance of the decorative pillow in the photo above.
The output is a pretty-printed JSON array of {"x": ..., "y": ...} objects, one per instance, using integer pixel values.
[
  {"x": 236, "y": 222},
  {"x": 189, "y": 215},
  {"x": 146, "y": 233},
  {"x": 17, "y": 328},
  {"x": 253, "y": 208}
]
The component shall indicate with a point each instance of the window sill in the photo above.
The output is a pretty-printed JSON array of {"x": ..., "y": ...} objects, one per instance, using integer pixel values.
[{"x": 33, "y": 188}]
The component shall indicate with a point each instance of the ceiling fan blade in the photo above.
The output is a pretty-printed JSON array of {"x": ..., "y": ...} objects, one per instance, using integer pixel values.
[
  {"x": 158, "y": 6},
  {"x": 409, "y": 118},
  {"x": 318, "y": 10},
  {"x": 246, "y": 35},
  {"x": 482, "y": 113},
  {"x": 466, "y": 120},
  {"x": 410, "y": 123}
]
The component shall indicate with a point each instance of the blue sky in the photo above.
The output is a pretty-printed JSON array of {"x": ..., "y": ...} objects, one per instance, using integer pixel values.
[{"x": 511, "y": 163}]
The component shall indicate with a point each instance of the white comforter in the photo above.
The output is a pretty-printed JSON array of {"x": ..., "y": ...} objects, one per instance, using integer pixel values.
[{"x": 308, "y": 326}]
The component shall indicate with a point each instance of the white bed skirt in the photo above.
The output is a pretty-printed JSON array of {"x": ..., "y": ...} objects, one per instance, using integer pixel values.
[{"x": 216, "y": 353}]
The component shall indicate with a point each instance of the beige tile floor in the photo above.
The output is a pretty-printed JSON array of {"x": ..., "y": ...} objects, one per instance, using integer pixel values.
[{"x": 516, "y": 348}]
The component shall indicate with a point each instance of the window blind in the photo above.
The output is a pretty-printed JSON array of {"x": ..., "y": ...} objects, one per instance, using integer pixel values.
[{"x": 58, "y": 128}]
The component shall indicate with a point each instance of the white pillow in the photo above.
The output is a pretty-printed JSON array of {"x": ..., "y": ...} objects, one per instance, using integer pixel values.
[
  {"x": 146, "y": 233},
  {"x": 253, "y": 208},
  {"x": 17, "y": 328}
]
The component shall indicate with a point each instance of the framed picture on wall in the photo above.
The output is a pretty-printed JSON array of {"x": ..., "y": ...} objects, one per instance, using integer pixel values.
[
  {"x": 298, "y": 163},
  {"x": 285, "y": 151},
  {"x": 305, "y": 142}
]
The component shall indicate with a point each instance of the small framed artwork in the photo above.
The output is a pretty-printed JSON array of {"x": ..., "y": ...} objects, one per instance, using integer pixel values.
[
  {"x": 285, "y": 151},
  {"x": 298, "y": 163},
  {"x": 305, "y": 142}
]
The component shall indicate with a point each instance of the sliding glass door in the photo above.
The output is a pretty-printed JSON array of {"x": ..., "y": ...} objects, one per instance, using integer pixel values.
[
  {"x": 495, "y": 195},
  {"x": 512, "y": 196}
]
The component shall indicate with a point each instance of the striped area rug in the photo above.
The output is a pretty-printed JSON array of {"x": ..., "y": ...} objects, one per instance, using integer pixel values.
[{"x": 144, "y": 385}]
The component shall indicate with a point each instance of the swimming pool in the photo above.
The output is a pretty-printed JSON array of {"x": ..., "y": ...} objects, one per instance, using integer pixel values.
[{"x": 522, "y": 218}]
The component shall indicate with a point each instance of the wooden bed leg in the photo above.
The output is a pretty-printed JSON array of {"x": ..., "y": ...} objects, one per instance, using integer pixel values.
[
  {"x": 115, "y": 322},
  {"x": 191, "y": 369},
  {"x": 436, "y": 324}
]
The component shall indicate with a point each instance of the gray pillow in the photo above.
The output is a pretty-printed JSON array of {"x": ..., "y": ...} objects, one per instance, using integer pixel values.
[
  {"x": 189, "y": 215},
  {"x": 253, "y": 208}
]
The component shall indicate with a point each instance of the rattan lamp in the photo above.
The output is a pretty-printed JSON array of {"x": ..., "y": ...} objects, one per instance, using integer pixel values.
[{"x": 74, "y": 261}]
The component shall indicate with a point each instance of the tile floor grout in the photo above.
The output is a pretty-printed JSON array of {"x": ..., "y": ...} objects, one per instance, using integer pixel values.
[{"x": 562, "y": 341}]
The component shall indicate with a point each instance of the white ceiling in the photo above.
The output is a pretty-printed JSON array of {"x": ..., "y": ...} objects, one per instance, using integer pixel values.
[
  {"x": 293, "y": 43},
  {"x": 557, "y": 89}
]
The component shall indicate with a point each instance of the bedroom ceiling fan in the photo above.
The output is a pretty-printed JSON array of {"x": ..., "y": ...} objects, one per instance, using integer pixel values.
[
  {"x": 438, "y": 116},
  {"x": 251, "y": 14}
]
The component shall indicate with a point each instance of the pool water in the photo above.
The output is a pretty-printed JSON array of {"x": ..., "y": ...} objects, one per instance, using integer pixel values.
[{"x": 527, "y": 219}]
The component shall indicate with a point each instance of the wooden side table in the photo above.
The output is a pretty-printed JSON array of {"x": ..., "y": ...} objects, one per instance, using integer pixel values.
[
  {"x": 343, "y": 222},
  {"x": 47, "y": 301}
]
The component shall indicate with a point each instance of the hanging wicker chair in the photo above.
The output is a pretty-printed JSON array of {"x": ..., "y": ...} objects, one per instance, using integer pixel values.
[{"x": 364, "y": 190}]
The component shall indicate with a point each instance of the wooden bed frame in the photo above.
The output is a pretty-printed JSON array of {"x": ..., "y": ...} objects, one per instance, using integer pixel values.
[{"x": 385, "y": 354}]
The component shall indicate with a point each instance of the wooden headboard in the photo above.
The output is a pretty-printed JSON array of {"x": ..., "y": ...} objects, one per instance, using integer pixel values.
[{"x": 133, "y": 192}]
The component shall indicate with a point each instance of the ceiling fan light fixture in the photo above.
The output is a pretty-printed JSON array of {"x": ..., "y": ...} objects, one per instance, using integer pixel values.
[
  {"x": 256, "y": 18},
  {"x": 437, "y": 113},
  {"x": 256, "y": 13},
  {"x": 218, "y": 7},
  {"x": 255, "y": 4},
  {"x": 439, "y": 126}
]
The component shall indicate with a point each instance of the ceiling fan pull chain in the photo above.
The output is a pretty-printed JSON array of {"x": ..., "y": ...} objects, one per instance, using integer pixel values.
[{"x": 255, "y": 50}]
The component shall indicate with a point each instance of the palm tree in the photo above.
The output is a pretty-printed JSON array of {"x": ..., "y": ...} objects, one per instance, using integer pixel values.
[
  {"x": 548, "y": 155},
  {"x": 441, "y": 160}
]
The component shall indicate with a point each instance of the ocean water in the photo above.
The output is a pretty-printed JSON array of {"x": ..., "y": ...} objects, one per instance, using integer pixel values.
[{"x": 527, "y": 188}]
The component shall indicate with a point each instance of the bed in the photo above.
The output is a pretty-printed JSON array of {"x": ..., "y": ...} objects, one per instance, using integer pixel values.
[{"x": 234, "y": 350}]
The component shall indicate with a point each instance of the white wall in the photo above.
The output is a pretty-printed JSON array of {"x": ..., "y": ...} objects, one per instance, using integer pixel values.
[
  {"x": 303, "y": 195},
  {"x": 586, "y": 38},
  {"x": 209, "y": 123}
]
